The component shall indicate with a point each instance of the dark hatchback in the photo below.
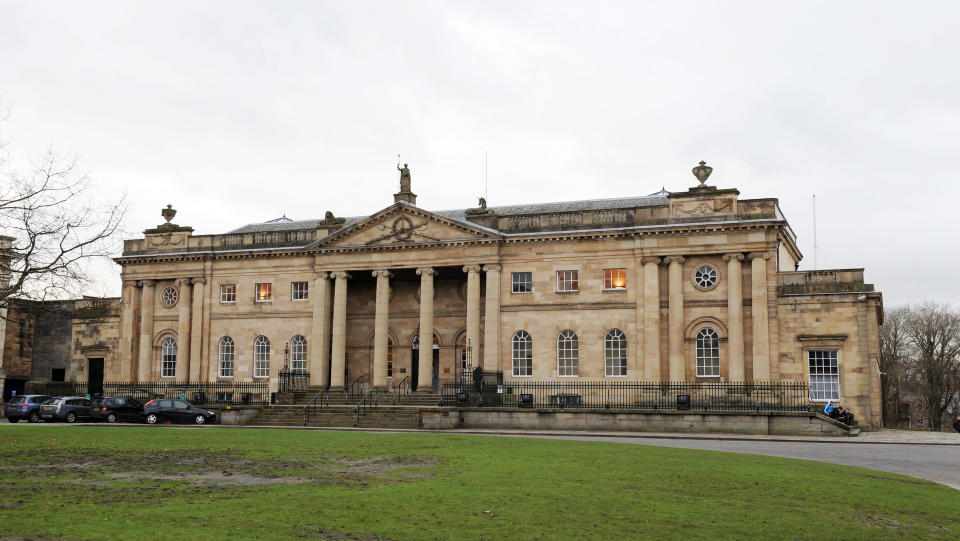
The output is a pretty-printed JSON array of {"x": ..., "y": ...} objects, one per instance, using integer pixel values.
[
  {"x": 115, "y": 409},
  {"x": 24, "y": 407},
  {"x": 176, "y": 411},
  {"x": 68, "y": 408}
]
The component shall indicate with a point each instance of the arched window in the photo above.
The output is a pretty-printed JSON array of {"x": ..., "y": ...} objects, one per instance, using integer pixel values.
[
  {"x": 261, "y": 357},
  {"x": 522, "y": 354},
  {"x": 708, "y": 353},
  {"x": 226, "y": 354},
  {"x": 615, "y": 353},
  {"x": 568, "y": 354},
  {"x": 298, "y": 354},
  {"x": 168, "y": 358},
  {"x": 389, "y": 358},
  {"x": 462, "y": 351}
]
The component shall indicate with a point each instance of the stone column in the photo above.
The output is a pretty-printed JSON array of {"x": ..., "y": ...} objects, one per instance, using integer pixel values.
[
  {"x": 425, "y": 353},
  {"x": 677, "y": 372},
  {"x": 196, "y": 332},
  {"x": 651, "y": 318},
  {"x": 184, "y": 307},
  {"x": 736, "y": 371},
  {"x": 380, "y": 328},
  {"x": 761, "y": 329},
  {"x": 320, "y": 330},
  {"x": 473, "y": 310},
  {"x": 146, "y": 331},
  {"x": 491, "y": 319},
  {"x": 127, "y": 317},
  {"x": 339, "y": 341}
]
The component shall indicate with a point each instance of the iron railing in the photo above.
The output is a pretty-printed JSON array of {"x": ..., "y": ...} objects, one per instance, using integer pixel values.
[
  {"x": 401, "y": 389},
  {"x": 355, "y": 389},
  {"x": 370, "y": 399},
  {"x": 199, "y": 393},
  {"x": 316, "y": 403},
  {"x": 291, "y": 381},
  {"x": 757, "y": 396}
]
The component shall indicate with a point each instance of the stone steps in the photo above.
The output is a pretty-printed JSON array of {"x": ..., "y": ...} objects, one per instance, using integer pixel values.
[{"x": 340, "y": 416}]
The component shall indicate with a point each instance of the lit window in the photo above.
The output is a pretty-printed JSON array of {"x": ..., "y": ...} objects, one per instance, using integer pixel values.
[
  {"x": 226, "y": 353},
  {"x": 522, "y": 354},
  {"x": 568, "y": 280},
  {"x": 615, "y": 278},
  {"x": 298, "y": 353},
  {"x": 261, "y": 357},
  {"x": 824, "y": 374},
  {"x": 522, "y": 282},
  {"x": 615, "y": 353},
  {"x": 168, "y": 358},
  {"x": 299, "y": 292},
  {"x": 264, "y": 293},
  {"x": 568, "y": 354},
  {"x": 708, "y": 353},
  {"x": 228, "y": 293}
]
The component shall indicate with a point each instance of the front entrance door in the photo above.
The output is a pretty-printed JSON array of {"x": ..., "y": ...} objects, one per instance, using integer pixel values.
[
  {"x": 415, "y": 369},
  {"x": 95, "y": 377}
]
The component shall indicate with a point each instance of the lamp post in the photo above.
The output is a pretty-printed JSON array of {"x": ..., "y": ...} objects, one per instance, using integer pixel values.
[{"x": 286, "y": 356}]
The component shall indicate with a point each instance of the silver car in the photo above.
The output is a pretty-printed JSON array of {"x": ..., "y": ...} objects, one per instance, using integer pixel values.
[{"x": 66, "y": 408}]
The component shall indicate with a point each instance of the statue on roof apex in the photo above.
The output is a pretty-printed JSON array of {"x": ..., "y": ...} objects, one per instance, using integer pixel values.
[{"x": 404, "y": 178}]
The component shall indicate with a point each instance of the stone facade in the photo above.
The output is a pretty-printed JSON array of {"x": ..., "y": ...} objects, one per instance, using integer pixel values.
[{"x": 687, "y": 286}]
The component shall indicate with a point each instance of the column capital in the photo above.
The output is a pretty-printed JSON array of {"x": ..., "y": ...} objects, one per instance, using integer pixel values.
[
  {"x": 671, "y": 259},
  {"x": 646, "y": 260},
  {"x": 491, "y": 268},
  {"x": 382, "y": 273},
  {"x": 199, "y": 280},
  {"x": 426, "y": 271},
  {"x": 471, "y": 268},
  {"x": 321, "y": 275},
  {"x": 340, "y": 275},
  {"x": 180, "y": 282},
  {"x": 734, "y": 256},
  {"x": 146, "y": 283},
  {"x": 130, "y": 283},
  {"x": 758, "y": 255}
]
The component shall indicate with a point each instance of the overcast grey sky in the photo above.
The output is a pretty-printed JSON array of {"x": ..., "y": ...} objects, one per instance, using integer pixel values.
[{"x": 238, "y": 112}]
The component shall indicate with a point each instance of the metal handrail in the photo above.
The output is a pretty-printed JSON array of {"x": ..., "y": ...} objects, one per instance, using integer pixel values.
[
  {"x": 402, "y": 388},
  {"x": 364, "y": 403},
  {"x": 318, "y": 399},
  {"x": 355, "y": 388}
]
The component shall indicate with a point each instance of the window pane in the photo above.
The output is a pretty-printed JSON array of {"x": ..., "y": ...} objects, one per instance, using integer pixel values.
[
  {"x": 614, "y": 278},
  {"x": 568, "y": 280},
  {"x": 261, "y": 357},
  {"x": 615, "y": 353},
  {"x": 824, "y": 374},
  {"x": 264, "y": 292},
  {"x": 168, "y": 358},
  {"x": 708, "y": 353},
  {"x": 568, "y": 354},
  {"x": 226, "y": 354},
  {"x": 298, "y": 354},
  {"x": 522, "y": 358},
  {"x": 522, "y": 282},
  {"x": 228, "y": 293},
  {"x": 299, "y": 291}
]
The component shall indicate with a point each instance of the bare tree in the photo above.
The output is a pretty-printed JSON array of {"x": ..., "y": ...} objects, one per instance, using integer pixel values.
[
  {"x": 894, "y": 355},
  {"x": 51, "y": 229},
  {"x": 934, "y": 334}
]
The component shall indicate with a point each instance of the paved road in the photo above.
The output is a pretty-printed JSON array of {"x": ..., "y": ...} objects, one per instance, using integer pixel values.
[{"x": 937, "y": 463}]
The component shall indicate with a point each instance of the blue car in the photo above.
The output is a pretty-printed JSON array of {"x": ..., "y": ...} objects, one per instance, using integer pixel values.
[{"x": 24, "y": 407}]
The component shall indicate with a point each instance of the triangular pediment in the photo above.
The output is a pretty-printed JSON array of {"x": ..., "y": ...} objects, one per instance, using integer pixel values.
[{"x": 403, "y": 224}]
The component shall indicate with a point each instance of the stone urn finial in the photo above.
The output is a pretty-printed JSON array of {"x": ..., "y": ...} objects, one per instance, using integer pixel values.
[
  {"x": 168, "y": 213},
  {"x": 702, "y": 172}
]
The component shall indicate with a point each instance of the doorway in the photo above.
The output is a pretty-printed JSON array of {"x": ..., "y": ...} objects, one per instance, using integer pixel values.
[
  {"x": 415, "y": 365},
  {"x": 95, "y": 377}
]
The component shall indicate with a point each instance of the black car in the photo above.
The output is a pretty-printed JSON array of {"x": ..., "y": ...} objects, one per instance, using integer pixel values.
[
  {"x": 67, "y": 408},
  {"x": 24, "y": 407},
  {"x": 114, "y": 409},
  {"x": 176, "y": 411}
]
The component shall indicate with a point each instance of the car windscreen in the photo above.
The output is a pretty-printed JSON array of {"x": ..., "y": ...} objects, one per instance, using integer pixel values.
[{"x": 51, "y": 401}]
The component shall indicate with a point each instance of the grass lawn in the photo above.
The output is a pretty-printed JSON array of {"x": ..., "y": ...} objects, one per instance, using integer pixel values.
[{"x": 122, "y": 482}]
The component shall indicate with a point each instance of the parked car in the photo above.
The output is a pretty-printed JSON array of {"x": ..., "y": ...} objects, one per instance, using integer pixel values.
[
  {"x": 114, "y": 409},
  {"x": 176, "y": 411},
  {"x": 24, "y": 407},
  {"x": 67, "y": 408}
]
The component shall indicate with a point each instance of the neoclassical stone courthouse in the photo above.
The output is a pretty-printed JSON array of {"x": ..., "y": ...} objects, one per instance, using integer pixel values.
[{"x": 698, "y": 285}]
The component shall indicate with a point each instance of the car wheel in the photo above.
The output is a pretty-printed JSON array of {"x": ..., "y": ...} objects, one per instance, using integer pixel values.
[
  {"x": 13, "y": 419},
  {"x": 35, "y": 417},
  {"x": 200, "y": 419},
  {"x": 111, "y": 418},
  {"x": 151, "y": 418},
  {"x": 71, "y": 417}
]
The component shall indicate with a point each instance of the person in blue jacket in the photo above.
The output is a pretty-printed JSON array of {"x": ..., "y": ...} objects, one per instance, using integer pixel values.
[{"x": 829, "y": 407}]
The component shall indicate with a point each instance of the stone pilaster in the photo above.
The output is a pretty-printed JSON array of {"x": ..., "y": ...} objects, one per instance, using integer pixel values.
[
  {"x": 127, "y": 341},
  {"x": 145, "y": 359},
  {"x": 184, "y": 309},
  {"x": 675, "y": 300},
  {"x": 197, "y": 336},
  {"x": 339, "y": 340},
  {"x": 473, "y": 309},
  {"x": 735, "y": 371},
  {"x": 425, "y": 352},
  {"x": 320, "y": 330},
  {"x": 651, "y": 318},
  {"x": 759, "y": 309},
  {"x": 381, "y": 328},
  {"x": 491, "y": 319}
]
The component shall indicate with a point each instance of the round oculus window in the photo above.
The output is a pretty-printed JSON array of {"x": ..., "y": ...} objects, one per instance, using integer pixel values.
[
  {"x": 705, "y": 277},
  {"x": 169, "y": 297}
]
